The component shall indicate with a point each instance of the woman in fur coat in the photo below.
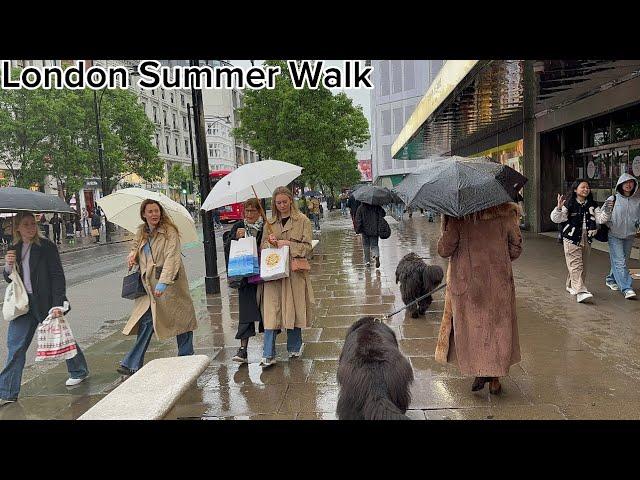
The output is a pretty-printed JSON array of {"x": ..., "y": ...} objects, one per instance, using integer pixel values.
[{"x": 479, "y": 330}]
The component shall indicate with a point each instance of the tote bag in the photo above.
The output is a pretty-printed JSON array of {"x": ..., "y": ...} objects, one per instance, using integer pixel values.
[
  {"x": 16, "y": 300},
  {"x": 274, "y": 263},
  {"x": 55, "y": 340},
  {"x": 243, "y": 258}
]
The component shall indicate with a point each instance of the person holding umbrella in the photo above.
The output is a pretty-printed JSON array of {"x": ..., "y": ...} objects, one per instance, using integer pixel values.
[
  {"x": 167, "y": 308},
  {"x": 288, "y": 302},
  {"x": 369, "y": 219},
  {"x": 38, "y": 263}
]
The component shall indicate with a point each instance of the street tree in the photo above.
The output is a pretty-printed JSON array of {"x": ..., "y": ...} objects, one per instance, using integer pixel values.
[
  {"x": 178, "y": 176},
  {"x": 308, "y": 127}
]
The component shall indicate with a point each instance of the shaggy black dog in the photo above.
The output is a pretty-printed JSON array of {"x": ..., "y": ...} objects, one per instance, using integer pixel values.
[
  {"x": 374, "y": 377},
  {"x": 417, "y": 279}
]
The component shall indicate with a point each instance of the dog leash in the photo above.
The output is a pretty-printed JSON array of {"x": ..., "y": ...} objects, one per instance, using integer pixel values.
[{"x": 386, "y": 317}]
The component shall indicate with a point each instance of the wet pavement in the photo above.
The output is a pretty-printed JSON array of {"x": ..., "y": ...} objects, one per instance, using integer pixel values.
[{"x": 579, "y": 361}]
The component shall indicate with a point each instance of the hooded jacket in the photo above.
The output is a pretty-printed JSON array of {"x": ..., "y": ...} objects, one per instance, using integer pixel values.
[{"x": 626, "y": 212}]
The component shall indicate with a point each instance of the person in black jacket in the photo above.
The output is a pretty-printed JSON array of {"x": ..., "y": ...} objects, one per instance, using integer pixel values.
[
  {"x": 367, "y": 222},
  {"x": 248, "y": 305},
  {"x": 56, "y": 223},
  {"x": 96, "y": 222},
  {"x": 38, "y": 263},
  {"x": 353, "y": 205}
]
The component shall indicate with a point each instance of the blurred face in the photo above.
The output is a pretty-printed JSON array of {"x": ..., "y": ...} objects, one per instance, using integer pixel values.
[
  {"x": 152, "y": 215},
  {"x": 251, "y": 214},
  {"x": 283, "y": 203},
  {"x": 28, "y": 229},
  {"x": 628, "y": 186},
  {"x": 583, "y": 190}
]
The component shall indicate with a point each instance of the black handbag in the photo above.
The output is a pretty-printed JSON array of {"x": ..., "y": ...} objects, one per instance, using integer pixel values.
[
  {"x": 384, "y": 230},
  {"x": 603, "y": 233},
  {"x": 132, "y": 286}
]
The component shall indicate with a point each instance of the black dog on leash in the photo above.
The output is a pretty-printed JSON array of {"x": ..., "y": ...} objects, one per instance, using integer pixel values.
[
  {"x": 417, "y": 279},
  {"x": 374, "y": 377}
]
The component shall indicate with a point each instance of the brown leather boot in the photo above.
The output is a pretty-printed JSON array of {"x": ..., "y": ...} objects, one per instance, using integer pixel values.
[{"x": 494, "y": 387}]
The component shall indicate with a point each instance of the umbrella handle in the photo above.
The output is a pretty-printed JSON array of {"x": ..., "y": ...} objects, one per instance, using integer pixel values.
[{"x": 262, "y": 212}]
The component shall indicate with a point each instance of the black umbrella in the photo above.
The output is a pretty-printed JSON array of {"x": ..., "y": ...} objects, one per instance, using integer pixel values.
[
  {"x": 13, "y": 199},
  {"x": 458, "y": 186},
  {"x": 374, "y": 195}
]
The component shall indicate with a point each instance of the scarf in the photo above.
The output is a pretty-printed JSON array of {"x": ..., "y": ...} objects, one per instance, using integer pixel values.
[{"x": 254, "y": 228}]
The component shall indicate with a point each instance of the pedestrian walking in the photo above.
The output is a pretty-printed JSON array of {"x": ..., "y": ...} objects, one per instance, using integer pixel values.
[
  {"x": 367, "y": 223},
  {"x": 288, "y": 302},
  {"x": 623, "y": 225},
  {"x": 314, "y": 211},
  {"x": 479, "y": 329},
  {"x": 86, "y": 222},
  {"x": 56, "y": 224},
  {"x": 249, "y": 295},
  {"x": 44, "y": 225},
  {"x": 167, "y": 308},
  {"x": 343, "y": 204},
  {"x": 216, "y": 218},
  {"x": 353, "y": 205},
  {"x": 38, "y": 264},
  {"x": 579, "y": 217},
  {"x": 96, "y": 224}
]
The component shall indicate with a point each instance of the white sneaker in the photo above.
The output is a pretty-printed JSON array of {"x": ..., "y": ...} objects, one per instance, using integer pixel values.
[
  {"x": 584, "y": 296},
  {"x": 4, "y": 402},
  {"x": 571, "y": 291},
  {"x": 267, "y": 362},
  {"x": 74, "y": 381},
  {"x": 298, "y": 353},
  {"x": 629, "y": 294},
  {"x": 612, "y": 286}
]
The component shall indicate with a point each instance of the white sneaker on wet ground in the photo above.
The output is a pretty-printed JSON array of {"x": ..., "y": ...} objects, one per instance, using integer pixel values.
[
  {"x": 612, "y": 285},
  {"x": 584, "y": 296},
  {"x": 71, "y": 382},
  {"x": 298, "y": 353},
  {"x": 267, "y": 362},
  {"x": 571, "y": 291},
  {"x": 4, "y": 402},
  {"x": 629, "y": 294}
]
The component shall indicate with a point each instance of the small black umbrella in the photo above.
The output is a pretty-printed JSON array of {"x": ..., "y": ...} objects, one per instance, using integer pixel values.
[
  {"x": 459, "y": 186},
  {"x": 374, "y": 195},
  {"x": 13, "y": 199}
]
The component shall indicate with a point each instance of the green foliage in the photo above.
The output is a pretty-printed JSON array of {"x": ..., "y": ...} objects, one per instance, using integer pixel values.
[
  {"x": 53, "y": 132},
  {"x": 178, "y": 175},
  {"x": 311, "y": 128}
]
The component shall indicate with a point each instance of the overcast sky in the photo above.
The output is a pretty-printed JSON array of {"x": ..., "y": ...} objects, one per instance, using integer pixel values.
[{"x": 359, "y": 96}]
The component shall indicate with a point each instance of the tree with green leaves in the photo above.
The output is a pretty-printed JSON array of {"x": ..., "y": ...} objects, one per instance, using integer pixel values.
[
  {"x": 308, "y": 127},
  {"x": 178, "y": 175}
]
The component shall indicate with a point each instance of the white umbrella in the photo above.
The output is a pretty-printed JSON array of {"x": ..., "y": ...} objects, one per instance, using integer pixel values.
[
  {"x": 122, "y": 207},
  {"x": 259, "y": 177}
]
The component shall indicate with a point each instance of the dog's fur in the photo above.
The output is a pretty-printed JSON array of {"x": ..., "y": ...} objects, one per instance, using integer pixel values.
[
  {"x": 416, "y": 279},
  {"x": 374, "y": 377}
]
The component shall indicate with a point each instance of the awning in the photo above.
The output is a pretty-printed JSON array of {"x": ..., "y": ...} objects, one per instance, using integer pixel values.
[{"x": 472, "y": 99}]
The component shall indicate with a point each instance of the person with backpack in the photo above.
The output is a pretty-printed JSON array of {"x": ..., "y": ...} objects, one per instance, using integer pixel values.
[
  {"x": 579, "y": 217},
  {"x": 623, "y": 226},
  {"x": 370, "y": 222}
]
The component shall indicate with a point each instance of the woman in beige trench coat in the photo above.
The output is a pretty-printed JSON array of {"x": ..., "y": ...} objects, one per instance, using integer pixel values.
[
  {"x": 167, "y": 307},
  {"x": 288, "y": 302},
  {"x": 479, "y": 328}
]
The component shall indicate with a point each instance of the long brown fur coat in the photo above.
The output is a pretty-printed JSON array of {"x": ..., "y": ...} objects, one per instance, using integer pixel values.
[{"x": 479, "y": 330}]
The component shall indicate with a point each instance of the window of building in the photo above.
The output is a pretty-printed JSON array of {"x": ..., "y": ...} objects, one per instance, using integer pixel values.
[
  {"x": 157, "y": 141},
  {"x": 409, "y": 75},
  {"x": 164, "y": 115},
  {"x": 396, "y": 74},
  {"x": 173, "y": 115},
  {"x": 209, "y": 128},
  {"x": 398, "y": 122},
  {"x": 408, "y": 111},
  {"x": 184, "y": 123},
  {"x": 144, "y": 107},
  {"x": 166, "y": 139},
  {"x": 177, "y": 149},
  {"x": 386, "y": 122},
  {"x": 186, "y": 147},
  {"x": 171, "y": 96},
  {"x": 385, "y": 153},
  {"x": 182, "y": 99},
  {"x": 384, "y": 78},
  {"x": 211, "y": 149}
]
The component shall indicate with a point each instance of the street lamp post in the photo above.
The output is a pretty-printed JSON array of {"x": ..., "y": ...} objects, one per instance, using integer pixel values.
[
  {"x": 212, "y": 279},
  {"x": 103, "y": 179}
]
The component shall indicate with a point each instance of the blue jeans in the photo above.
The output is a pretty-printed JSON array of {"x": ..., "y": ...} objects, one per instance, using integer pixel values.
[
  {"x": 619, "y": 253},
  {"x": 135, "y": 358},
  {"x": 294, "y": 341},
  {"x": 19, "y": 336},
  {"x": 315, "y": 218}
]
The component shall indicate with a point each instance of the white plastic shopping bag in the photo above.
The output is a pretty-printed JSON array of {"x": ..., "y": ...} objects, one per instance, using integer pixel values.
[
  {"x": 16, "y": 300},
  {"x": 274, "y": 263},
  {"x": 243, "y": 258},
  {"x": 55, "y": 339}
]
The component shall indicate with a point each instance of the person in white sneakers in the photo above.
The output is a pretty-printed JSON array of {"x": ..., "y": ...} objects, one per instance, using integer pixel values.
[
  {"x": 579, "y": 215},
  {"x": 623, "y": 225}
]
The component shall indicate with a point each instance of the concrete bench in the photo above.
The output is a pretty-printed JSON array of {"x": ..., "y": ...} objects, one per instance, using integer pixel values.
[{"x": 152, "y": 391}]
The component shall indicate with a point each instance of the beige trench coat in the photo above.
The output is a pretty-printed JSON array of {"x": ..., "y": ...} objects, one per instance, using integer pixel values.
[
  {"x": 288, "y": 302},
  {"x": 173, "y": 313}
]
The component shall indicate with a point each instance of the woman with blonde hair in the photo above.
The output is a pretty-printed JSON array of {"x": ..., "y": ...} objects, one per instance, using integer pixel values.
[
  {"x": 288, "y": 302},
  {"x": 38, "y": 264},
  {"x": 167, "y": 308}
]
